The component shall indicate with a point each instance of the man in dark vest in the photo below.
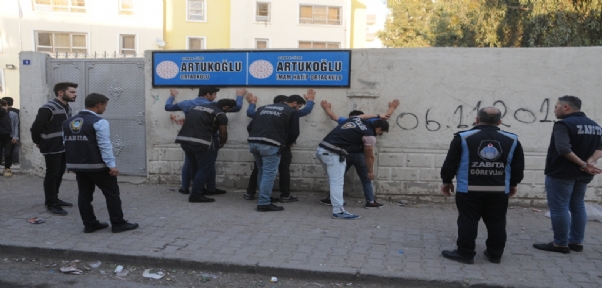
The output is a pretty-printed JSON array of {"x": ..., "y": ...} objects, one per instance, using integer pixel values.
[
  {"x": 273, "y": 127},
  {"x": 47, "y": 134},
  {"x": 575, "y": 147},
  {"x": 10, "y": 101},
  {"x": 89, "y": 153},
  {"x": 197, "y": 138},
  {"x": 350, "y": 136},
  {"x": 9, "y": 136},
  {"x": 488, "y": 164}
]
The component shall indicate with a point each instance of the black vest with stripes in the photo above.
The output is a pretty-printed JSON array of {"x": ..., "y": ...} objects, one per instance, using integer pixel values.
[
  {"x": 199, "y": 127},
  {"x": 271, "y": 124},
  {"x": 51, "y": 141},
  {"x": 81, "y": 146}
]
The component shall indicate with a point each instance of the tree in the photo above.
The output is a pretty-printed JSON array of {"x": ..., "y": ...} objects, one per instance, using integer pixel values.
[{"x": 408, "y": 25}]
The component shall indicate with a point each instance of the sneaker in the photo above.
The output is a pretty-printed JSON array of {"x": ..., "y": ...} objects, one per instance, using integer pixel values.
[
  {"x": 248, "y": 196},
  {"x": 57, "y": 210},
  {"x": 184, "y": 190},
  {"x": 552, "y": 248},
  {"x": 373, "y": 205},
  {"x": 491, "y": 259},
  {"x": 7, "y": 173},
  {"x": 215, "y": 192},
  {"x": 456, "y": 256},
  {"x": 95, "y": 227},
  {"x": 64, "y": 204},
  {"x": 345, "y": 215},
  {"x": 269, "y": 208},
  {"x": 124, "y": 227},
  {"x": 200, "y": 199},
  {"x": 326, "y": 201},
  {"x": 576, "y": 247},
  {"x": 290, "y": 198}
]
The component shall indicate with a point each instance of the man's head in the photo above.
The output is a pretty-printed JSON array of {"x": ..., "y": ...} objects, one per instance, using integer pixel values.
[
  {"x": 96, "y": 102},
  {"x": 280, "y": 99},
  {"x": 226, "y": 104},
  {"x": 9, "y": 101},
  {"x": 356, "y": 113},
  {"x": 4, "y": 105},
  {"x": 566, "y": 105},
  {"x": 489, "y": 116},
  {"x": 380, "y": 126},
  {"x": 295, "y": 101},
  {"x": 65, "y": 91},
  {"x": 209, "y": 92}
]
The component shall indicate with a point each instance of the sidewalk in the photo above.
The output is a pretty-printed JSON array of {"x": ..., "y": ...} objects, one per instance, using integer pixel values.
[{"x": 392, "y": 242}]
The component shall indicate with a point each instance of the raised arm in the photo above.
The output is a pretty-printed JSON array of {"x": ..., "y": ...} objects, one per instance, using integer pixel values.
[
  {"x": 327, "y": 108},
  {"x": 240, "y": 93},
  {"x": 252, "y": 99},
  {"x": 310, "y": 97},
  {"x": 169, "y": 105}
]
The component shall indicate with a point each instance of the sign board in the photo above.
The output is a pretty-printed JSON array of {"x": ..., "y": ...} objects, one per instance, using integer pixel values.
[
  {"x": 26, "y": 62},
  {"x": 293, "y": 68}
]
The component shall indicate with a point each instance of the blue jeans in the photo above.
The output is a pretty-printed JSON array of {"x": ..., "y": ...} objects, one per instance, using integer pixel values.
[
  {"x": 359, "y": 162},
  {"x": 566, "y": 195},
  {"x": 187, "y": 174},
  {"x": 267, "y": 159}
]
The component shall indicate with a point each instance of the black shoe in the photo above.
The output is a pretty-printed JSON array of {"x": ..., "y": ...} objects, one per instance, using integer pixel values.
[
  {"x": 274, "y": 199},
  {"x": 200, "y": 199},
  {"x": 576, "y": 247},
  {"x": 551, "y": 247},
  {"x": 454, "y": 255},
  {"x": 65, "y": 204},
  {"x": 184, "y": 191},
  {"x": 216, "y": 192},
  {"x": 290, "y": 198},
  {"x": 57, "y": 210},
  {"x": 269, "y": 208},
  {"x": 248, "y": 196},
  {"x": 124, "y": 227},
  {"x": 96, "y": 227},
  {"x": 326, "y": 201},
  {"x": 373, "y": 205},
  {"x": 491, "y": 259}
]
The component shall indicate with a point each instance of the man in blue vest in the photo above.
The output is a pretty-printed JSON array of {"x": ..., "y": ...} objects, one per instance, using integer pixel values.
[
  {"x": 197, "y": 138},
  {"x": 488, "y": 164},
  {"x": 47, "y": 134},
  {"x": 350, "y": 136},
  {"x": 207, "y": 94},
  {"x": 89, "y": 153},
  {"x": 575, "y": 147}
]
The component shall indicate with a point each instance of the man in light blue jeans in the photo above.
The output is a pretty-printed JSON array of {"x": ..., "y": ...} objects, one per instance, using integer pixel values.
[{"x": 574, "y": 138}]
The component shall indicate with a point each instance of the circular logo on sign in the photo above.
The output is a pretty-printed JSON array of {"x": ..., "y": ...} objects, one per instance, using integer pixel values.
[
  {"x": 167, "y": 69},
  {"x": 261, "y": 69}
]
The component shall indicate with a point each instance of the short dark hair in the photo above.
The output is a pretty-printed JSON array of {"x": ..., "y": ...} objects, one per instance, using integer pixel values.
[
  {"x": 9, "y": 100},
  {"x": 94, "y": 98},
  {"x": 295, "y": 98},
  {"x": 3, "y": 103},
  {"x": 204, "y": 90},
  {"x": 380, "y": 123},
  {"x": 63, "y": 86},
  {"x": 572, "y": 101},
  {"x": 226, "y": 102},
  {"x": 355, "y": 113},
  {"x": 489, "y": 118},
  {"x": 280, "y": 99}
]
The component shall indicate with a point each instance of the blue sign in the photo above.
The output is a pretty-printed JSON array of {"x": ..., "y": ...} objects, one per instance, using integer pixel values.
[
  {"x": 295, "y": 68},
  {"x": 26, "y": 62}
]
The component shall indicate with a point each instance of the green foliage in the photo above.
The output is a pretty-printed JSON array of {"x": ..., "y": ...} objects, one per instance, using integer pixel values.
[{"x": 493, "y": 23}]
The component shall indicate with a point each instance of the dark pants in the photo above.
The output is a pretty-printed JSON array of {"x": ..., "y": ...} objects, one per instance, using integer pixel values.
[
  {"x": 55, "y": 168},
  {"x": 284, "y": 167},
  {"x": 201, "y": 162},
  {"x": 187, "y": 174},
  {"x": 492, "y": 208},
  {"x": 7, "y": 146},
  {"x": 86, "y": 182}
]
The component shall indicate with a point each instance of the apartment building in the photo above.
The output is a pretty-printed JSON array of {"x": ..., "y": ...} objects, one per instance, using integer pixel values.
[{"x": 114, "y": 27}]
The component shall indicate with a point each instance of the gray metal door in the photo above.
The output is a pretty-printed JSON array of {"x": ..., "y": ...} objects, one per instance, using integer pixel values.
[{"x": 122, "y": 80}]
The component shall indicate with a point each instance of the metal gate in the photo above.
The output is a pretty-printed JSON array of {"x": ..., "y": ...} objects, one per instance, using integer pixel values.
[{"x": 122, "y": 80}]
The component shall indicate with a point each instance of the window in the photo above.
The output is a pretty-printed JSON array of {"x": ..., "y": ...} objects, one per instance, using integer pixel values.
[
  {"x": 127, "y": 44},
  {"x": 61, "y": 42},
  {"x": 78, "y": 6},
  {"x": 262, "y": 43},
  {"x": 126, "y": 7},
  {"x": 196, "y": 10},
  {"x": 263, "y": 12},
  {"x": 320, "y": 15},
  {"x": 195, "y": 43},
  {"x": 318, "y": 45}
]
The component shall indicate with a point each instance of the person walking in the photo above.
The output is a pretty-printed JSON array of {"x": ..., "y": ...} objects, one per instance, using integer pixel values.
[
  {"x": 47, "y": 134},
  {"x": 488, "y": 164},
  {"x": 9, "y": 136},
  {"x": 273, "y": 127},
  {"x": 89, "y": 153},
  {"x": 575, "y": 147},
  {"x": 10, "y": 101}
]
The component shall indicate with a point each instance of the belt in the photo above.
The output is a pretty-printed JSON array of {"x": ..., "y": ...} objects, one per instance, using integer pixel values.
[{"x": 333, "y": 148}]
